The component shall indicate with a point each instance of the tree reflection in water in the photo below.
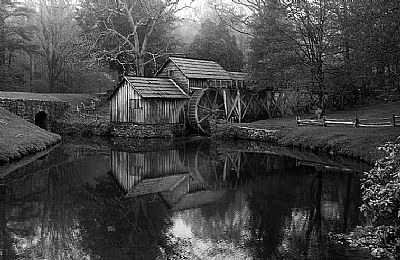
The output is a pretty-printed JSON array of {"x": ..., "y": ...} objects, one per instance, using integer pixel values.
[
  {"x": 70, "y": 206},
  {"x": 284, "y": 213},
  {"x": 118, "y": 228}
]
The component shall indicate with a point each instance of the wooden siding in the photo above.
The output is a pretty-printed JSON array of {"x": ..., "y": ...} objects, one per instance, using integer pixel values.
[
  {"x": 130, "y": 168},
  {"x": 197, "y": 83},
  {"x": 152, "y": 110},
  {"x": 163, "y": 111},
  {"x": 178, "y": 76},
  {"x": 120, "y": 105}
]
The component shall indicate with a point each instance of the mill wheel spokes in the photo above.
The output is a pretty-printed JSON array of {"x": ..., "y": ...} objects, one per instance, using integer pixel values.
[{"x": 205, "y": 105}]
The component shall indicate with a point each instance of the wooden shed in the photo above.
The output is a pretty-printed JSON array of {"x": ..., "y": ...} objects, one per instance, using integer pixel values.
[
  {"x": 147, "y": 101},
  {"x": 192, "y": 74},
  {"x": 129, "y": 169}
]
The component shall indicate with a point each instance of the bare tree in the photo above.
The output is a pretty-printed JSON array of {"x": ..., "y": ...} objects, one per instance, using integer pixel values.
[
  {"x": 57, "y": 33},
  {"x": 127, "y": 27},
  {"x": 311, "y": 21},
  {"x": 304, "y": 26}
]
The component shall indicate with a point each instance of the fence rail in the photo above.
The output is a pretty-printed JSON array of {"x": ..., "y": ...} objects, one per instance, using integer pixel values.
[{"x": 356, "y": 122}]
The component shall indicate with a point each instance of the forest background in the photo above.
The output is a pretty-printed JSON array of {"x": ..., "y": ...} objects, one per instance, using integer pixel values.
[{"x": 341, "y": 51}]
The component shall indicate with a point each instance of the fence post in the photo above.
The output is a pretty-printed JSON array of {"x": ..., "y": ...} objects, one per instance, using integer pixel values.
[
  {"x": 356, "y": 122},
  {"x": 323, "y": 121},
  {"x": 297, "y": 120},
  {"x": 394, "y": 120}
]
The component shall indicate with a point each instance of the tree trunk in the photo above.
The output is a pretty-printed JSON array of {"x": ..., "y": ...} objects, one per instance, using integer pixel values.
[
  {"x": 140, "y": 66},
  {"x": 30, "y": 72},
  {"x": 2, "y": 48},
  {"x": 52, "y": 82}
]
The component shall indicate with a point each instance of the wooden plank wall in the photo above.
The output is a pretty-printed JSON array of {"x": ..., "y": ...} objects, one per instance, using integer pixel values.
[
  {"x": 178, "y": 77},
  {"x": 163, "y": 111},
  {"x": 126, "y": 168},
  {"x": 120, "y": 110},
  {"x": 152, "y": 111},
  {"x": 130, "y": 168},
  {"x": 198, "y": 83}
]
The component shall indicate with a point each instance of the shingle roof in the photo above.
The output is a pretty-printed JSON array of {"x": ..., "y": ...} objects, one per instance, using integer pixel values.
[
  {"x": 200, "y": 69},
  {"x": 155, "y": 185},
  {"x": 198, "y": 199},
  {"x": 237, "y": 75},
  {"x": 156, "y": 87}
]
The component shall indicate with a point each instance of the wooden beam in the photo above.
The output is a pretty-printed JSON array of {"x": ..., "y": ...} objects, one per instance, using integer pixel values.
[
  {"x": 225, "y": 168},
  {"x": 234, "y": 106},
  {"x": 225, "y": 103},
  {"x": 247, "y": 106},
  {"x": 239, "y": 107},
  {"x": 234, "y": 164}
]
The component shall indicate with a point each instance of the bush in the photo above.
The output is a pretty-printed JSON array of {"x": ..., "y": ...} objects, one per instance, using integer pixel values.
[{"x": 381, "y": 197}]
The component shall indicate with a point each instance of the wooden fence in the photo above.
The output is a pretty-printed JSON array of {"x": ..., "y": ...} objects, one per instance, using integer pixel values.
[
  {"x": 89, "y": 112},
  {"x": 93, "y": 117},
  {"x": 356, "y": 122}
]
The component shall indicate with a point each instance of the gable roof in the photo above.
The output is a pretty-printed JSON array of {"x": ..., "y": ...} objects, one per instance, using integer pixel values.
[
  {"x": 154, "y": 87},
  {"x": 199, "y": 69},
  {"x": 198, "y": 199},
  {"x": 237, "y": 75},
  {"x": 155, "y": 185}
]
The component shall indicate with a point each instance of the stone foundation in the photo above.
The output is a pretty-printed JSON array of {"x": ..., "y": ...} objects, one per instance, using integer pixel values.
[
  {"x": 226, "y": 130},
  {"x": 132, "y": 130}
]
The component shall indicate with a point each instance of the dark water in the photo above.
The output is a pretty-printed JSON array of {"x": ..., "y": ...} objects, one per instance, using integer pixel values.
[{"x": 193, "y": 199}]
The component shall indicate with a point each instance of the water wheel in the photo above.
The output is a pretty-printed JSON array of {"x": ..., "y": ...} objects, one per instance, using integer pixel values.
[
  {"x": 202, "y": 164},
  {"x": 204, "y": 105}
]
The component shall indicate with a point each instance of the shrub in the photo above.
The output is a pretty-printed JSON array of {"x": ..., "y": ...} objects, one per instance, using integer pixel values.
[{"x": 381, "y": 197}]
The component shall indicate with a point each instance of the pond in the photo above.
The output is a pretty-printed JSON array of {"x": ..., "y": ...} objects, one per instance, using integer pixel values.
[{"x": 185, "y": 199}]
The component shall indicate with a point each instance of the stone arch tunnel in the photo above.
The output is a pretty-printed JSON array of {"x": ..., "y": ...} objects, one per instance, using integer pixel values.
[
  {"x": 42, "y": 119},
  {"x": 39, "y": 109}
]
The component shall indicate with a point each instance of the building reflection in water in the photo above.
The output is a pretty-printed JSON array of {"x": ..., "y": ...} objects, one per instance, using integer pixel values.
[
  {"x": 194, "y": 201},
  {"x": 251, "y": 204}
]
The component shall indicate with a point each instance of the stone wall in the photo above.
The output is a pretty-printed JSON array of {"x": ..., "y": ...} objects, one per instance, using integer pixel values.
[
  {"x": 226, "y": 130},
  {"x": 131, "y": 130},
  {"x": 28, "y": 109}
]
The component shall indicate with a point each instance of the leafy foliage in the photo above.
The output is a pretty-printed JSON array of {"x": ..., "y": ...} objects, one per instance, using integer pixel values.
[{"x": 381, "y": 196}]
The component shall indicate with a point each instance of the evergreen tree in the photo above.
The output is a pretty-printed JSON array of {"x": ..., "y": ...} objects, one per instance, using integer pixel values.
[
  {"x": 15, "y": 35},
  {"x": 273, "y": 61},
  {"x": 215, "y": 42}
]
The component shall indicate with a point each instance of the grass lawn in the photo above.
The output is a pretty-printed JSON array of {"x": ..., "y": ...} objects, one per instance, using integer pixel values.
[
  {"x": 73, "y": 99},
  {"x": 355, "y": 142},
  {"x": 18, "y": 137}
]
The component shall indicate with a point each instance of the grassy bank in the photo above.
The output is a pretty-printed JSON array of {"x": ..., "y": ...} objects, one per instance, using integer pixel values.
[
  {"x": 18, "y": 137},
  {"x": 73, "y": 99},
  {"x": 358, "y": 143}
]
